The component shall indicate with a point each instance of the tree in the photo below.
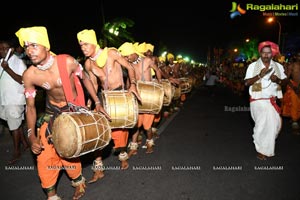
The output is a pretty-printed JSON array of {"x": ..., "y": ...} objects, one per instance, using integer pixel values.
[{"x": 115, "y": 33}]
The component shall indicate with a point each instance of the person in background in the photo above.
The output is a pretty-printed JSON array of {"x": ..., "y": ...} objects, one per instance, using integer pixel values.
[
  {"x": 291, "y": 98},
  {"x": 264, "y": 78},
  {"x": 20, "y": 52},
  {"x": 12, "y": 99},
  {"x": 148, "y": 49},
  {"x": 143, "y": 66},
  {"x": 211, "y": 82}
]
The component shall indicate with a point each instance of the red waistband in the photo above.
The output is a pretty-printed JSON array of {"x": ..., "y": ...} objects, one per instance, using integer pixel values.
[{"x": 272, "y": 100}]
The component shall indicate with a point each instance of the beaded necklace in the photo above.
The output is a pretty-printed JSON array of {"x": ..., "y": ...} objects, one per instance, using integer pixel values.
[
  {"x": 96, "y": 56},
  {"x": 137, "y": 60},
  {"x": 47, "y": 65}
]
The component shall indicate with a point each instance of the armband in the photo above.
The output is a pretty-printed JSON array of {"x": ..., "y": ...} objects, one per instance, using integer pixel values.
[{"x": 30, "y": 93}]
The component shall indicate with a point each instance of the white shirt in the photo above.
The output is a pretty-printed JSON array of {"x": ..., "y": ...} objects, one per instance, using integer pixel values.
[
  {"x": 11, "y": 92},
  {"x": 212, "y": 79},
  {"x": 269, "y": 88}
]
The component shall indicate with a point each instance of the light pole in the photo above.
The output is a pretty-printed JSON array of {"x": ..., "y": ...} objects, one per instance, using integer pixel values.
[
  {"x": 270, "y": 20},
  {"x": 279, "y": 33}
]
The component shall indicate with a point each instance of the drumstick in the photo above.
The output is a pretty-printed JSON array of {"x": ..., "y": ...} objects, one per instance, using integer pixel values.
[
  {"x": 2, "y": 68},
  {"x": 7, "y": 55},
  {"x": 5, "y": 59}
]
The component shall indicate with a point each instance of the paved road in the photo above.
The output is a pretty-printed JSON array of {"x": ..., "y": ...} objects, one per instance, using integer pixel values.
[{"x": 204, "y": 152}]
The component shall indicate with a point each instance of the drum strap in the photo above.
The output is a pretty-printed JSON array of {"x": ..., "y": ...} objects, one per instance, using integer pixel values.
[
  {"x": 143, "y": 78},
  {"x": 79, "y": 99}
]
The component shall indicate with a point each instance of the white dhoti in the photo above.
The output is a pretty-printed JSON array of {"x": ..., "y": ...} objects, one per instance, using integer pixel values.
[{"x": 267, "y": 126}]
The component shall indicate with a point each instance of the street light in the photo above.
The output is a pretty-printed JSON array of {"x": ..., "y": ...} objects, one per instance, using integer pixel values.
[{"x": 270, "y": 20}]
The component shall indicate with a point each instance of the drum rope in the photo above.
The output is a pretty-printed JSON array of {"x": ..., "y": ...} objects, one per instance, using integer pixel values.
[{"x": 96, "y": 122}]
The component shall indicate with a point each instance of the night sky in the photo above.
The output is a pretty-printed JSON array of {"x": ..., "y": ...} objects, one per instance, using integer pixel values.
[{"x": 186, "y": 27}]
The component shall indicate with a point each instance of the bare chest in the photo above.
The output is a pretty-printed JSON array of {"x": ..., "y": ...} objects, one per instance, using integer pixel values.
[{"x": 48, "y": 80}]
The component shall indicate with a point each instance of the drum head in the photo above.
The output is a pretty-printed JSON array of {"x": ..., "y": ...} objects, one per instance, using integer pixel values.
[
  {"x": 64, "y": 135},
  {"x": 75, "y": 134}
]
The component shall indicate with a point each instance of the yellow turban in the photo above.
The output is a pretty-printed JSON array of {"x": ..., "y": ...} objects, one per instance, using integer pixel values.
[
  {"x": 162, "y": 59},
  {"x": 170, "y": 56},
  {"x": 127, "y": 49},
  {"x": 88, "y": 36},
  {"x": 35, "y": 34},
  {"x": 180, "y": 60},
  {"x": 136, "y": 44},
  {"x": 150, "y": 47},
  {"x": 142, "y": 48}
]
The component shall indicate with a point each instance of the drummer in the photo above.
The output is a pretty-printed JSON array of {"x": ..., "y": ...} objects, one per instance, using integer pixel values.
[
  {"x": 142, "y": 66},
  {"x": 148, "y": 49},
  {"x": 174, "y": 68},
  {"x": 106, "y": 65},
  {"x": 51, "y": 73}
]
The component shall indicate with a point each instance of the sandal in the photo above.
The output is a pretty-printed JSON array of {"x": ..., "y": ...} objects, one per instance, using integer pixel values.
[
  {"x": 13, "y": 161},
  {"x": 79, "y": 192},
  {"x": 261, "y": 156},
  {"x": 124, "y": 165},
  {"x": 149, "y": 149},
  {"x": 149, "y": 146},
  {"x": 98, "y": 174}
]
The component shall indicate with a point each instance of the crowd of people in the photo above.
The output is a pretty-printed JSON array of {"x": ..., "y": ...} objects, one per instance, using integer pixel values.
[{"x": 70, "y": 85}]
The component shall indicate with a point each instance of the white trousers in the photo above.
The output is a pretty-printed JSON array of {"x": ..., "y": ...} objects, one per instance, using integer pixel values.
[{"x": 267, "y": 126}]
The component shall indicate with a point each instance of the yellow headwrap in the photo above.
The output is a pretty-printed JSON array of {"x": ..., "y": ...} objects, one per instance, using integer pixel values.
[
  {"x": 150, "y": 47},
  {"x": 142, "y": 48},
  {"x": 180, "y": 60},
  {"x": 136, "y": 44},
  {"x": 162, "y": 59},
  {"x": 35, "y": 34},
  {"x": 88, "y": 36},
  {"x": 127, "y": 49},
  {"x": 169, "y": 56}
]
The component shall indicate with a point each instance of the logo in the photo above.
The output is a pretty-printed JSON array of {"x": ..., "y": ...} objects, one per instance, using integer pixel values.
[{"x": 236, "y": 10}]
